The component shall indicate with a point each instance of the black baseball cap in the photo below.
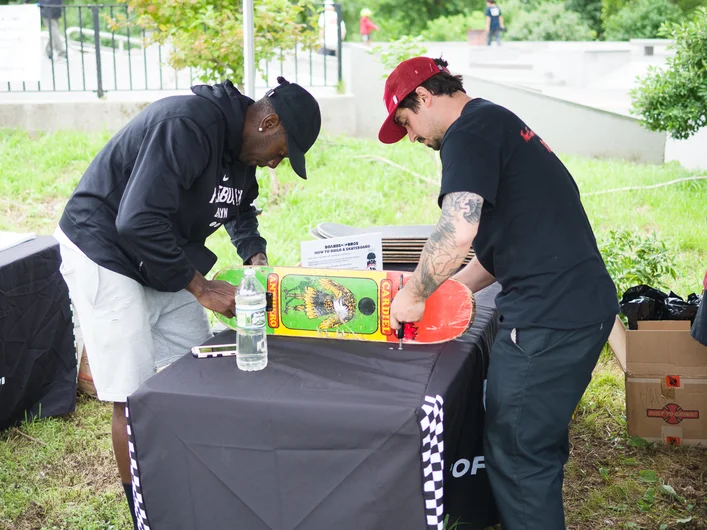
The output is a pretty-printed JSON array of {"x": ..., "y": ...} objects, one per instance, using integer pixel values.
[{"x": 300, "y": 116}]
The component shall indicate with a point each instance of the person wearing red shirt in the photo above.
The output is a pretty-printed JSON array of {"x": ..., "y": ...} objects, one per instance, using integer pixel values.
[{"x": 366, "y": 25}]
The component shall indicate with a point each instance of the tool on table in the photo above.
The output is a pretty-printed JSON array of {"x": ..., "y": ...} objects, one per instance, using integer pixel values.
[{"x": 401, "y": 329}]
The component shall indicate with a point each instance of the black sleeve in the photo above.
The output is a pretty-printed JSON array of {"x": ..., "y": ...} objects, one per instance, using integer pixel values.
[
  {"x": 173, "y": 153},
  {"x": 244, "y": 228},
  {"x": 470, "y": 163}
]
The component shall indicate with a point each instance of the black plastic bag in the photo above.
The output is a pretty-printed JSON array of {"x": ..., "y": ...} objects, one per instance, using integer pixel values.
[
  {"x": 643, "y": 302},
  {"x": 675, "y": 308}
]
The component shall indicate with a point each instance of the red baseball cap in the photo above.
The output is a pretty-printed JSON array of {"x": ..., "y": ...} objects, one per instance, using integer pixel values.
[{"x": 406, "y": 77}]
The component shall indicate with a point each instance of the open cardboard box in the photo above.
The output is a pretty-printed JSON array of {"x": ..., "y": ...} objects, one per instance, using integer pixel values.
[
  {"x": 658, "y": 347},
  {"x": 666, "y": 381}
]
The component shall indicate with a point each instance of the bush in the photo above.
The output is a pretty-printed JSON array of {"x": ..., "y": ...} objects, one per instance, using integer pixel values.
[
  {"x": 675, "y": 99},
  {"x": 398, "y": 51},
  {"x": 640, "y": 19},
  {"x": 398, "y": 18},
  {"x": 453, "y": 28},
  {"x": 633, "y": 259},
  {"x": 550, "y": 21},
  {"x": 513, "y": 8}
]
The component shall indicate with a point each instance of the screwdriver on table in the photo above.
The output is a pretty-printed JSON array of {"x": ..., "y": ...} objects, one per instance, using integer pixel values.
[{"x": 401, "y": 329}]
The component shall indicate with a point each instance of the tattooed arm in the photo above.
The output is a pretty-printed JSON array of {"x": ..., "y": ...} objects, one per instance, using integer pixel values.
[
  {"x": 443, "y": 254},
  {"x": 448, "y": 244}
]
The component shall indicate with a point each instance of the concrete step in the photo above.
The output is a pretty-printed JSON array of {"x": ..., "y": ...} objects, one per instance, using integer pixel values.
[
  {"x": 506, "y": 65},
  {"x": 517, "y": 77}
]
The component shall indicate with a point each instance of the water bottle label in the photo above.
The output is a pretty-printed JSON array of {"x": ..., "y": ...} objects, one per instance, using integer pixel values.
[{"x": 250, "y": 318}]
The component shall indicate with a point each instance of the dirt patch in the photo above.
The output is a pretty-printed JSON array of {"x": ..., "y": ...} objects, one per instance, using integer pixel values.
[
  {"x": 33, "y": 518},
  {"x": 612, "y": 483}
]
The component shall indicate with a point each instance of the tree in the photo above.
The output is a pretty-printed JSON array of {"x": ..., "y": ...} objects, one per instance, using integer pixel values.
[
  {"x": 674, "y": 99},
  {"x": 590, "y": 11},
  {"x": 641, "y": 19},
  {"x": 207, "y": 35}
]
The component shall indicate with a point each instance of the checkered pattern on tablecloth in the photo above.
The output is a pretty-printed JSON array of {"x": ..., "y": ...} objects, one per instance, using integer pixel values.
[
  {"x": 432, "y": 425},
  {"x": 140, "y": 514}
]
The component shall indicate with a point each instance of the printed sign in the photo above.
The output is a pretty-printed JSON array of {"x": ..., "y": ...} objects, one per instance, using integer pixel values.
[{"x": 361, "y": 252}]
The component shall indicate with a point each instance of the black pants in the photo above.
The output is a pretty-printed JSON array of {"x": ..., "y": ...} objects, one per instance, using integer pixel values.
[{"x": 535, "y": 382}]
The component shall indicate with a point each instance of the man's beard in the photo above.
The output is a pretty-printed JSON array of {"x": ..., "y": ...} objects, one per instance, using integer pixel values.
[{"x": 432, "y": 143}]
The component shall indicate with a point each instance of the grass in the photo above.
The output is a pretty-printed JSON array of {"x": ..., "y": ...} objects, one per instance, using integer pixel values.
[{"x": 58, "y": 473}]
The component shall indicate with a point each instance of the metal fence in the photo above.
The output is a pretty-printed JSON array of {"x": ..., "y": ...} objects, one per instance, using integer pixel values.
[{"x": 83, "y": 52}]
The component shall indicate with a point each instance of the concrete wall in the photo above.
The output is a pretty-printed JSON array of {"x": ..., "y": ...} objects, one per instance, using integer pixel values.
[
  {"x": 573, "y": 128},
  {"x": 567, "y": 127},
  {"x": 576, "y": 68},
  {"x": 111, "y": 115},
  {"x": 365, "y": 83},
  {"x": 691, "y": 153}
]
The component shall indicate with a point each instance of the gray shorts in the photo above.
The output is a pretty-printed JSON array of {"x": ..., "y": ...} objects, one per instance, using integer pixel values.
[{"x": 130, "y": 331}]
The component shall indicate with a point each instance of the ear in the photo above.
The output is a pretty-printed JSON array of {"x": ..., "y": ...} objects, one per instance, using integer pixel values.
[
  {"x": 424, "y": 95},
  {"x": 270, "y": 122}
]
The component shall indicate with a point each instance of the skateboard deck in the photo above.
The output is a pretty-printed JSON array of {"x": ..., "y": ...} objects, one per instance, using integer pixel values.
[
  {"x": 352, "y": 305},
  {"x": 315, "y": 234}
]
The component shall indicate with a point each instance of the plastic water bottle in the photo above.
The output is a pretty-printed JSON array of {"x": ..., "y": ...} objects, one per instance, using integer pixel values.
[{"x": 250, "y": 324}]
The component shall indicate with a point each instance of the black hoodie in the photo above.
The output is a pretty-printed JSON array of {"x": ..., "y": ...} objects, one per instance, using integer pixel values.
[{"x": 162, "y": 185}]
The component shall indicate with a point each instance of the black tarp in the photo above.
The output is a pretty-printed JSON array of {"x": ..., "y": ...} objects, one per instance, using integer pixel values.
[
  {"x": 332, "y": 434},
  {"x": 37, "y": 353}
]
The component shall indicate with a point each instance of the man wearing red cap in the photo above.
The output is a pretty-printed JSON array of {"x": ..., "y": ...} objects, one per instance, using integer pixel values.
[{"x": 505, "y": 193}]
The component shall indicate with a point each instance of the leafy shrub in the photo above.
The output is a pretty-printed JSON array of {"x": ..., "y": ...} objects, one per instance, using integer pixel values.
[
  {"x": 675, "y": 99},
  {"x": 550, "y": 21},
  {"x": 398, "y": 18},
  {"x": 453, "y": 28},
  {"x": 398, "y": 51},
  {"x": 633, "y": 259},
  {"x": 640, "y": 19}
]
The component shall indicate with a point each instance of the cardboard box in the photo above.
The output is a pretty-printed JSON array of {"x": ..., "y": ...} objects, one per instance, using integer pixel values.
[
  {"x": 666, "y": 381},
  {"x": 669, "y": 414},
  {"x": 658, "y": 347}
]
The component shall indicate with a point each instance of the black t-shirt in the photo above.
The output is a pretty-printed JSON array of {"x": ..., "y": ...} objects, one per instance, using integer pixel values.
[{"x": 534, "y": 235}]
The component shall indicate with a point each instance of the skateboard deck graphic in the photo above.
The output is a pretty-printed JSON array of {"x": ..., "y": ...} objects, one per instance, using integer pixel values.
[{"x": 352, "y": 304}]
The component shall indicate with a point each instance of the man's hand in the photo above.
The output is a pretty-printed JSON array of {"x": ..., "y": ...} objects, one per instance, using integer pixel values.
[
  {"x": 216, "y": 295},
  {"x": 406, "y": 307},
  {"x": 259, "y": 259}
]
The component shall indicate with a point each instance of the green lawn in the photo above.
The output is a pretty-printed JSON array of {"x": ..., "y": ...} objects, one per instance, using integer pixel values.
[{"x": 58, "y": 473}]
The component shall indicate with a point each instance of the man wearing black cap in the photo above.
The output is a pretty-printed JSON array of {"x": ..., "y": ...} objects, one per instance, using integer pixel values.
[
  {"x": 132, "y": 235},
  {"x": 506, "y": 193}
]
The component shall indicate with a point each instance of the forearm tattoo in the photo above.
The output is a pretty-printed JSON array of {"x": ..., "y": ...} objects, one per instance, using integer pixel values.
[{"x": 443, "y": 255}]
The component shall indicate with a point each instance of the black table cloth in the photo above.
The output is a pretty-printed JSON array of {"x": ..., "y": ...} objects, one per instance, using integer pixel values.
[
  {"x": 37, "y": 352},
  {"x": 332, "y": 434}
]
